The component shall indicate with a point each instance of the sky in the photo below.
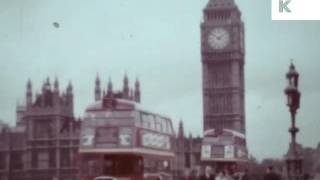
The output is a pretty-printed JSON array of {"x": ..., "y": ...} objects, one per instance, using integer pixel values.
[{"x": 159, "y": 42}]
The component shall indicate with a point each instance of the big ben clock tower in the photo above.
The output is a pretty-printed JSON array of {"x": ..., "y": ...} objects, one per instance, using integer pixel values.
[{"x": 222, "y": 56}]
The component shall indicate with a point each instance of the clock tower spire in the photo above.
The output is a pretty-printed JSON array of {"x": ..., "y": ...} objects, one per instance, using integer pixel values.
[
  {"x": 222, "y": 54},
  {"x": 222, "y": 58}
]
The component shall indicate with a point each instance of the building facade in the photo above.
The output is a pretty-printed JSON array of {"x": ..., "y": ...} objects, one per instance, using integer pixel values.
[
  {"x": 52, "y": 133},
  {"x": 45, "y": 141},
  {"x": 128, "y": 93},
  {"x": 188, "y": 153},
  {"x": 223, "y": 57},
  {"x": 222, "y": 51},
  {"x": 12, "y": 153}
]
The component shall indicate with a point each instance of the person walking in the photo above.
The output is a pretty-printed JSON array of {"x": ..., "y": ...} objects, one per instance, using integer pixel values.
[
  {"x": 208, "y": 174},
  {"x": 271, "y": 175},
  {"x": 193, "y": 175},
  {"x": 245, "y": 175},
  {"x": 220, "y": 176},
  {"x": 223, "y": 175},
  {"x": 228, "y": 175}
]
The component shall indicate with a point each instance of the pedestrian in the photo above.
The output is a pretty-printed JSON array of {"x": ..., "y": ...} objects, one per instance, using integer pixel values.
[
  {"x": 245, "y": 175},
  {"x": 208, "y": 174},
  {"x": 271, "y": 175},
  {"x": 237, "y": 175},
  {"x": 224, "y": 175},
  {"x": 193, "y": 175},
  {"x": 220, "y": 176},
  {"x": 228, "y": 175}
]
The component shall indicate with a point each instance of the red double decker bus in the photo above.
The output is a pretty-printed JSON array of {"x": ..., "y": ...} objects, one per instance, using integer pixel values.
[{"x": 123, "y": 141}]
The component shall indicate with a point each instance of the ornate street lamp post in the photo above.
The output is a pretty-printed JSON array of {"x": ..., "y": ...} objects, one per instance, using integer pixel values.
[{"x": 294, "y": 158}]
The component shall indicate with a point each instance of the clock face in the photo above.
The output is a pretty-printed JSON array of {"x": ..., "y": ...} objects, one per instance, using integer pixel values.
[{"x": 218, "y": 38}]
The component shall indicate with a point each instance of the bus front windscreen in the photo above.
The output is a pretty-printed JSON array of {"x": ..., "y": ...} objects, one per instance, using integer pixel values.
[
  {"x": 113, "y": 165},
  {"x": 122, "y": 165}
]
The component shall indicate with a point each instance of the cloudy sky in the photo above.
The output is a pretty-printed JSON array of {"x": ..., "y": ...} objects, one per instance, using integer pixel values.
[{"x": 159, "y": 42}]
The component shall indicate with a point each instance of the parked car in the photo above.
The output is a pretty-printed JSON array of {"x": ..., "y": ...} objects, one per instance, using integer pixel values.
[{"x": 104, "y": 178}]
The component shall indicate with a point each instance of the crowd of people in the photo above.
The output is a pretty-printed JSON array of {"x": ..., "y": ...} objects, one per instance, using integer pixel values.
[{"x": 210, "y": 174}]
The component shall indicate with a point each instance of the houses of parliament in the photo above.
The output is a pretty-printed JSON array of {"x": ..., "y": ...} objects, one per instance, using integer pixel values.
[{"x": 44, "y": 143}]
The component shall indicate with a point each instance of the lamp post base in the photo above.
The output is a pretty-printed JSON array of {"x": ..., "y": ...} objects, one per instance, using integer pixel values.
[{"x": 294, "y": 163}]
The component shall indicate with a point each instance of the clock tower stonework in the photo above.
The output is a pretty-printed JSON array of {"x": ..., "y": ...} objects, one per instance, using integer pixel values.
[{"x": 222, "y": 56}]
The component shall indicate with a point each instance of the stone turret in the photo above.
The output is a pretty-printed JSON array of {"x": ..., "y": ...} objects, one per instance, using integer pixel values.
[
  {"x": 127, "y": 92},
  {"x": 110, "y": 88},
  {"x": 29, "y": 93},
  {"x": 56, "y": 86},
  {"x": 137, "y": 93},
  {"x": 126, "y": 88},
  {"x": 97, "y": 89}
]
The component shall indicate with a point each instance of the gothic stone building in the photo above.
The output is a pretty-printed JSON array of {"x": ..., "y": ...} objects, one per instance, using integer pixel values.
[
  {"x": 222, "y": 58},
  {"x": 12, "y": 152},
  {"x": 44, "y": 143},
  {"x": 222, "y": 50},
  {"x": 188, "y": 153},
  {"x": 126, "y": 93}
]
